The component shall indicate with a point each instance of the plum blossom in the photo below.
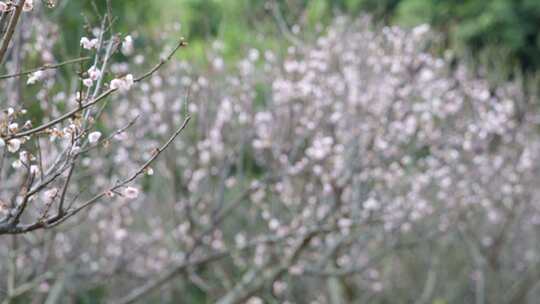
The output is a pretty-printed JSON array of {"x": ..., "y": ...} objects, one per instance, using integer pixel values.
[
  {"x": 13, "y": 145},
  {"x": 3, "y": 6},
  {"x": 50, "y": 194},
  {"x": 218, "y": 63},
  {"x": 94, "y": 73},
  {"x": 89, "y": 43},
  {"x": 127, "y": 45},
  {"x": 75, "y": 150},
  {"x": 3, "y": 208},
  {"x": 122, "y": 84},
  {"x": 94, "y": 137},
  {"x": 13, "y": 127},
  {"x": 87, "y": 82},
  {"x": 34, "y": 169},
  {"x": 253, "y": 54},
  {"x": 149, "y": 171},
  {"x": 28, "y": 5},
  {"x": 24, "y": 156},
  {"x": 420, "y": 30},
  {"x": 120, "y": 234},
  {"x": 131, "y": 192},
  {"x": 16, "y": 164},
  {"x": 35, "y": 77}
]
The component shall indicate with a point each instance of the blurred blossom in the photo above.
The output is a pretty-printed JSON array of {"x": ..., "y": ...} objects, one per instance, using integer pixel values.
[
  {"x": 13, "y": 145},
  {"x": 122, "y": 84},
  {"x": 94, "y": 137},
  {"x": 35, "y": 77},
  {"x": 127, "y": 45},
  {"x": 28, "y": 5},
  {"x": 89, "y": 43},
  {"x": 131, "y": 192}
]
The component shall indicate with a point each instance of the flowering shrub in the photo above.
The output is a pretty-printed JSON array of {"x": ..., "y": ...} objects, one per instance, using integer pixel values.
[{"x": 358, "y": 167}]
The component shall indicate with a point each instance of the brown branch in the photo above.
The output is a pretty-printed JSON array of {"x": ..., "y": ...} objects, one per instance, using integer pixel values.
[{"x": 11, "y": 29}]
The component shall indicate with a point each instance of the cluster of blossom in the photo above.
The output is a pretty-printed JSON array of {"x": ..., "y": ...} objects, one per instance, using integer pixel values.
[
  {"x": 27, "y": 5},
  {"x": 334, "y": 172}
]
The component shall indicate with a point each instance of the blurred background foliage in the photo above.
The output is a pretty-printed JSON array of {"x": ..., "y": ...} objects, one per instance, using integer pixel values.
[{"x": 492, "y": 32}]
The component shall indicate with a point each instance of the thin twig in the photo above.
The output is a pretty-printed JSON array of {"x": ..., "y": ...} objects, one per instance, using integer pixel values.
[
  {"x": 45, "y": 67},
  {"x": 92, "y": 102},
  {"x": 59, "y": 218}
]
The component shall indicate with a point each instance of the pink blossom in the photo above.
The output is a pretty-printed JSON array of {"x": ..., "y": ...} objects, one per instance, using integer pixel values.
[
  {"x": 127, "y": 45},
  {"x": 131, "y": 192},
  {"x": 28, "y": 5},
  {"x": 3, "y": 6},
  {"x": 89, "y": 43},
  {"x": 122, "y": 84},
  {"x": 94, "y": 73}
]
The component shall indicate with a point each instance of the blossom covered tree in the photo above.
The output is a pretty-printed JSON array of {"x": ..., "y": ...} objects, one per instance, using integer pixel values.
[{"x": 358, "y": 167}]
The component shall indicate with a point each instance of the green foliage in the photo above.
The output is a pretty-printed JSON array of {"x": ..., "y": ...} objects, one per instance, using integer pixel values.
[
  {"x": 204, "y": 18},
  {"x": 498, "y": 28},
  {"x": 92, "y": 295},
  {"x": 316, "y": 11},
  {"x": 492, "y": 30},
  {"x": 501, "y": 28},
  {"x": 77, "y": 16}
]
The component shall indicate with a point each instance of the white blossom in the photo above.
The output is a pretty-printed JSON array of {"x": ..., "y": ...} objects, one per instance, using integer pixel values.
[
  {"x": 13, "y": 127},
  {"x": 35, "y": 77},
  {"x": 94, "y": 137},
  {"x": 420, "y": 30},
  {"x": 28, "y": 5},
  {"x": 120, "y": 234},
  {"x": 50, "y": 194},
  {"x": 14, "y": 145},
  {"x": 34, "y": 169},
  {"x": 75, "y": 149},
  {"x": 87, "y": 82},
  {"x": 89, "y": 43},
  {"x": 94, "y": 73},
  {"x": 127, "y": 45},
  {"x": 122, "y": 84},
  {"x": 131, "y": 192},
  {"x": 24, "y": 156},
  {"x": 3, "y": 6},
  {"x": 16, "y": 164}
]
